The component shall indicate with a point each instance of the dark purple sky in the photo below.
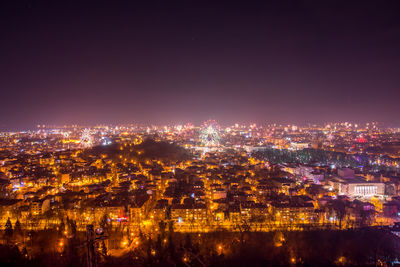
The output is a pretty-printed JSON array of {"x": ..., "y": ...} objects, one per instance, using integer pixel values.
[{"x": 105, "y": 62}]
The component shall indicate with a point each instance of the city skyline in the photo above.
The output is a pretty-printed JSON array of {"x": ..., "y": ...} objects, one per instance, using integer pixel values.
[{"x": 223, "y": 126}]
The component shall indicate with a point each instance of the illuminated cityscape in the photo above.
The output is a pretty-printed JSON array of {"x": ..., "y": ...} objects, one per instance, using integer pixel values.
[
  {"x": 228, "y": 133},
  {"x": 137, "y": 183}
]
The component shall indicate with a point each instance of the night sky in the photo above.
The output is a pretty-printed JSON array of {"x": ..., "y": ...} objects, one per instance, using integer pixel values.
[{"x": 124, "y": 62}]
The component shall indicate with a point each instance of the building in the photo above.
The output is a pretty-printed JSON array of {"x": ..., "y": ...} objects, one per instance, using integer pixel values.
[{"x": 188, "y": 213}]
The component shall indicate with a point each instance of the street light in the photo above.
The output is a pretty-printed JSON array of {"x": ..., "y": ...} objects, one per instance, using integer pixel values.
[{"x": 99, "y": 231}]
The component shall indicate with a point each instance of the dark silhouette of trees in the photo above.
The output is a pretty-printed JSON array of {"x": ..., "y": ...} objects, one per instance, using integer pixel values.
[
  {"x": 361, "y": 247},
  {"x": 163, "y": 226},
  {"x": 339, "y": 207},
  {"x": 17, "y": 228},
  {"x": 365, "y": 217},
  {"x": 8, "y": 230}
]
